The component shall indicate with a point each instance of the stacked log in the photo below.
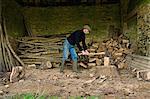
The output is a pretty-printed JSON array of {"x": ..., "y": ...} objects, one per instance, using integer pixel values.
[
  {"x": 41, "y": 51},
  {"x": 143, "y": 26},
  {"x": 109, "y": 52}
]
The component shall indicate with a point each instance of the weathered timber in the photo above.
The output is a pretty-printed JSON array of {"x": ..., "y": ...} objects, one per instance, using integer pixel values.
[{"x": 139, "y": 62}]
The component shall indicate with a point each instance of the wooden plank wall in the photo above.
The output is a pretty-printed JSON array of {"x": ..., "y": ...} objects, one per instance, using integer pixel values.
[{"x": 139, "y": 62}]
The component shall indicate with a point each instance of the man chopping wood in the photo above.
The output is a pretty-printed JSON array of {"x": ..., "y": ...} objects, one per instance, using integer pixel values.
[{"x": 69, "y": 46}]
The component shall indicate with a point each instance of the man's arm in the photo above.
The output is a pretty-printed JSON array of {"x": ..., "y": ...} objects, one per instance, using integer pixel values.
[
  {"x": 83, "y": 43},
  {"x": 79, "y": 46},
  {"x": 84, "y": 52}
]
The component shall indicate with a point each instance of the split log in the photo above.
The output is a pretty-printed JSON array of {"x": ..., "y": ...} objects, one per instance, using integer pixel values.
[
  {"x": 92, "y": 50},
  {"x": 30, "y": 63},
  {"x": 122, "y": 65},
  {"x": 92, "y": 60},
  {"x": 117, "y": 54},
  {"x": 95, "y": 45},
  {"x": 17, "y": 73},
  {"x": 83, "y": 65},
  {"x": 91, "y": 64},
  {"x": 106, "y": 61},
  {"x": 98, "y": 62},
  {"x": 101, "y": 48},
  {"x": 125, "y": 41},
  {"x": 143, "y": 74},
  {"x": 31, "y": 66}
]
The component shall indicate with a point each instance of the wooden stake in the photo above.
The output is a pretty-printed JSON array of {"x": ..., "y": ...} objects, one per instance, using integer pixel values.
[
  {"x": 10, "y": 48},
  {"x": 2, "y": 66}
]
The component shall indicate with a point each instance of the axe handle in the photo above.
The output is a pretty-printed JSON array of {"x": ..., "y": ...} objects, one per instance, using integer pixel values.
[{"x": 92, "y": 54}]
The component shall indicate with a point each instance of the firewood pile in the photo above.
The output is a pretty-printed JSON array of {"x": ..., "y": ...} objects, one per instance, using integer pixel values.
[
  {"x": 45, "y": 52},
  {"x": 109, "y": 52},
  {"x": 143, "y": 27}
]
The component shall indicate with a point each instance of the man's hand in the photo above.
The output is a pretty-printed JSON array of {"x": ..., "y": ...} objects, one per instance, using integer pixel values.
[{"x": 84, "y": 52}]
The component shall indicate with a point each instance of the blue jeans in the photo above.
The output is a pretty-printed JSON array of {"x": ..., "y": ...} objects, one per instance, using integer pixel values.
[{"x": 67, "y": 47}]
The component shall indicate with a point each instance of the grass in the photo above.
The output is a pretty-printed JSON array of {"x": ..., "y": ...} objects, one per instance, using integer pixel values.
[{"x": 32, "y": 96}]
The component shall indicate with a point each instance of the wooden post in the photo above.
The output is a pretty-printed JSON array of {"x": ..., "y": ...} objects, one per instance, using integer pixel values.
[{"x": 1, "y": 59}]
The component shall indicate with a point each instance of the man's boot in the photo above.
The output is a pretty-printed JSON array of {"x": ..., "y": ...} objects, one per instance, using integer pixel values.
[
  {"x": 75, "y": 67},
  {"x": 62, "y": 67}
]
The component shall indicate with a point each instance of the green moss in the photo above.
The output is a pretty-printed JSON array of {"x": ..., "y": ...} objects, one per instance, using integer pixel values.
[
  {"x": 57, "y": 20},
  {"x": 13, "y": 17},
  {"x": 139, "y": 2}
]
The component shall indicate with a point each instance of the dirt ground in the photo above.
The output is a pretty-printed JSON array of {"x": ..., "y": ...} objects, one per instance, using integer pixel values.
[{"x": 53, "y": 83}]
